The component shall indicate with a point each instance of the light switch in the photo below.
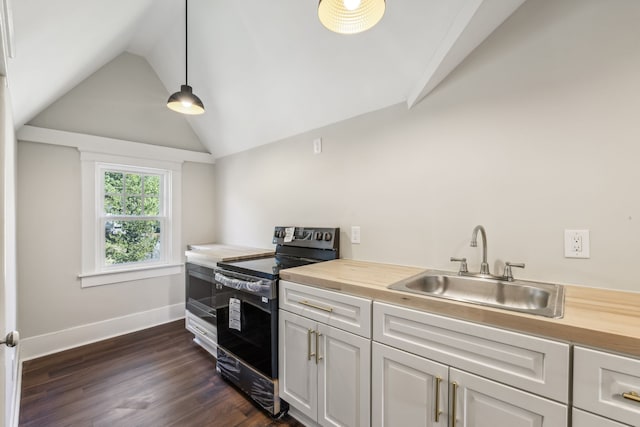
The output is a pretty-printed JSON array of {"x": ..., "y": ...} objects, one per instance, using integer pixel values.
[{"x": 355, "y": 234}]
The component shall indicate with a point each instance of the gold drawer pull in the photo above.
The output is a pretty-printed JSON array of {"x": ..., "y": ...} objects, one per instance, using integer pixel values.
[
  {"x": 309, "y": 353},
  {"x": 632, "y": 395},
  {"x": 438, "y": 411},
  {"x": 319, "y": 307},
  {"x": 318, "y": 357},
  {"x": 454, "y": 403}
]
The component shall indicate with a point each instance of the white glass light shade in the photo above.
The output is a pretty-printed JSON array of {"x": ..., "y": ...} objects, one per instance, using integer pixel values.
[{"x": 337, "y": 16}]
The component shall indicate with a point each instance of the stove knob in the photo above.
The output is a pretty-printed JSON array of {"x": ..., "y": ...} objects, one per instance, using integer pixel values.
[
  {"x": 276, "y": 234},
  {"x": 327, "y": 236},
  {"x": 318, "y": 235}
]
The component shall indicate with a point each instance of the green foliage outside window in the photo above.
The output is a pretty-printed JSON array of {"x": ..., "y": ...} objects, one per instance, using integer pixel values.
[{"x": 131, "y": 199}]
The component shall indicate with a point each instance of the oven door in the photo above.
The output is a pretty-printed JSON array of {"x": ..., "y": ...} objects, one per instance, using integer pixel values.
[
  {"x": 248, "y": 328},
  {"x": 200, "y": 292}
]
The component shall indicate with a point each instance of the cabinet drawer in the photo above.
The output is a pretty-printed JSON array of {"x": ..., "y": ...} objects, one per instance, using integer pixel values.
[
  {"x": 530, "y": 363},
  {"x": 347, "y": 312},
  {"x": 600, "y": 381},
  {"x": 206, "y": 335},
  {"x": 585, "y": 419}
]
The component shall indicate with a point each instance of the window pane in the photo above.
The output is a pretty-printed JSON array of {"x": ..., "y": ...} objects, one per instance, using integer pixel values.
[
  {"x": 133, "y": 183},
  {"x": 113, "y": 182},
  {"x": 131, "y": 241},
  {"x": 151, "y": 206},
  {"x": 112, "y": 204},
  {"x": 134, "y": 206},
  {"x": 152, "y": 185}
]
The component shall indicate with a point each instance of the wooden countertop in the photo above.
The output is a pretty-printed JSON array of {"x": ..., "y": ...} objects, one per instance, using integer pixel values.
[
  {"x": 593, "y": 317},
  {"x": 209, "y": 254}
]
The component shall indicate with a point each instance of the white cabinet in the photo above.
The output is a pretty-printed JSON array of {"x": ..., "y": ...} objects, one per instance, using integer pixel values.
[
  {"x": 324, "y": 371},
  {"x": 431, "y": 370},
  {"x": 205, "y": 333},
  {"x": 346, "y": 312},
  {"x": 298, "y": 370},
  {"x": 607, "y": 384},
  {"x": 523, "y": 361},
  {"x": 479, "y": 402},
  {"x": 407, "y": 390},
  {"x": 584, "y": 419}
]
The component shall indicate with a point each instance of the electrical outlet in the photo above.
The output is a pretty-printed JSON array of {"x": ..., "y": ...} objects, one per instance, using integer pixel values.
[
  {"x": 355, "y": 234},
  {"x": 317, "y": 146},
  {"x": 576, "y": 244}
]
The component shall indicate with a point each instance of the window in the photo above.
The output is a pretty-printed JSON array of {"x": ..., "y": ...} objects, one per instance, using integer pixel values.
[
  {"x": 131, "y": 218},
  {"x": 133, "y": 215}
]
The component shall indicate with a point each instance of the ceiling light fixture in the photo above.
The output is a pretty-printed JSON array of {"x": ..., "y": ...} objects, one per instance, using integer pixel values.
[
  {"x": 350, "y": 16},
  {"x": 185, "y": 101}
]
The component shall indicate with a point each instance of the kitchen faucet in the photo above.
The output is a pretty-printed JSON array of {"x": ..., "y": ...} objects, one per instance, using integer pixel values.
[{"x": 484, "y": 266}]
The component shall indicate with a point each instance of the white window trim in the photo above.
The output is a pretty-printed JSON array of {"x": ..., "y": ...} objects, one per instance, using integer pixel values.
[{"x": 92, "y": 272}]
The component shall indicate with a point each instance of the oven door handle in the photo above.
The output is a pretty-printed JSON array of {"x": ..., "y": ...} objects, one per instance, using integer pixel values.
[{"x": 243, "y": 285}]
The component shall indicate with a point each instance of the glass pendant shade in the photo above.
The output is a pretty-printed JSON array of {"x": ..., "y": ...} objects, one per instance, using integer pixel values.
[
  {"x": 350, "y": 16},
  {"x": 185, "y": 101}
]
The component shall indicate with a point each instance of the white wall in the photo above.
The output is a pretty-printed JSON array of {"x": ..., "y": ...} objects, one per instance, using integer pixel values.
[
  {"x": 114, "y": 101},
  {"x": 198, "y": 205},
  {"x": 536, "y": 132},
  {"x": 53, "y": 309}
]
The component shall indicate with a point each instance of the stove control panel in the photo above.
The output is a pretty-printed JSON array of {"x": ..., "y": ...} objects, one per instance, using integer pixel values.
[{"x": 308, "y": 237}]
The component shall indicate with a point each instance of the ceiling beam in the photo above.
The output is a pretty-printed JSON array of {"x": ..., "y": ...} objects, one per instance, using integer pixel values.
[{"x": 476, "y": 20}]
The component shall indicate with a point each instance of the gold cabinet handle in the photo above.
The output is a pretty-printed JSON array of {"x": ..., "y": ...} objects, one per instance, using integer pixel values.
[
  {"x": 309, "y": 354},
  {"x": 318, "y": 357},
  {"x": 632, "y": 395},
  {"x": 454, "y": 404},
  {"x": 438, "y": 411},
  {"x": 319, "y": 307}
]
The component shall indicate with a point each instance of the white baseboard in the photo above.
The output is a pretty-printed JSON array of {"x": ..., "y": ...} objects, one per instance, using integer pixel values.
[{"x": 54, "y": 342}]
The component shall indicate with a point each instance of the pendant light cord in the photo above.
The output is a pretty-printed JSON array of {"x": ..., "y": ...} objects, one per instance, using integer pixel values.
[{"x": 186, "y": 44}]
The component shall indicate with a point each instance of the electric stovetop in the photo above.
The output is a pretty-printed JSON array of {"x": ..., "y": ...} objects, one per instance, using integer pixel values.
[{"x": 267, "y": 268}]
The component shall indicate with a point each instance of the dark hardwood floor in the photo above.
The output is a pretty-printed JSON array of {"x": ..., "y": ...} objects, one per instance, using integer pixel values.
[{"x": 156, "y": 377}]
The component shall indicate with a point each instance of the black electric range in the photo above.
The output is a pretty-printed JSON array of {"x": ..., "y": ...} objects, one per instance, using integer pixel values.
[{"x": 247, "y": 310}]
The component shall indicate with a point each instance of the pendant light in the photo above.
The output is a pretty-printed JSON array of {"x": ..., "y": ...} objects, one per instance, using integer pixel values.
[
  {"x": 185, "y": 101},
  {"x": 350, "y": 16}
]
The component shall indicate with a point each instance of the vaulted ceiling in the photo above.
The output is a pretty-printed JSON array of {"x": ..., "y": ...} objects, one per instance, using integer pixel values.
[{"x": 265, "y": 69}]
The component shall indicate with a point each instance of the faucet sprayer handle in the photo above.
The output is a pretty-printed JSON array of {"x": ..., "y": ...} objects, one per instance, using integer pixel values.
[
  {"x": 508, "y": 274},
  {"x": 463, "y": 264}
]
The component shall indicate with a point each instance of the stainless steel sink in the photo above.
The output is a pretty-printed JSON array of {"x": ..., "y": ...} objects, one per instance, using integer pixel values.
[{"x": 544, "y": 299}]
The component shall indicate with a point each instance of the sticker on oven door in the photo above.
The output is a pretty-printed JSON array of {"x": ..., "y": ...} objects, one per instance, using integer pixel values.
[{"x": 234, "y": 314}]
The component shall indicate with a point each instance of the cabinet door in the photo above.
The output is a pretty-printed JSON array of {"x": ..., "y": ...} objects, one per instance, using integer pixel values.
[
  {"x": 297, "y": 367},
  {"x": 480, "y": 402},
  {"x": 405, "y": 389},
  {"x": 344, "y": 378}
]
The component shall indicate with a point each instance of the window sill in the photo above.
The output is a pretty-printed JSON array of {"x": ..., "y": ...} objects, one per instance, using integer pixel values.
[{"x": 105, "y": 278}]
